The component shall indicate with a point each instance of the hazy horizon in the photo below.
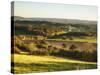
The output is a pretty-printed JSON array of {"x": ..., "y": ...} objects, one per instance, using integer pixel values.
[
  {"x": 54, "y": 18},
  {"x": 51, "y": 10}
]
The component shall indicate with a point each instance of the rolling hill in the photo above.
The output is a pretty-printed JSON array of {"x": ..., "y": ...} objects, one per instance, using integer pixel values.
[{"x": 56, "y": 20}]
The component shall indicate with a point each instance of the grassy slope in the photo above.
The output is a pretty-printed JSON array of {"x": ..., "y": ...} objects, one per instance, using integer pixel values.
[
  {"x": 32, "y": 63},
  {"x": 90, "y": 40}
]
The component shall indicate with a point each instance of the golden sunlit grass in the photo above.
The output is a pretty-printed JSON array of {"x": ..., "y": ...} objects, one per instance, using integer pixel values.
[
  {"x": 86, "y": 39},
  {"x": 31, "y": 63},
  {"x": 33, "y": 58}
]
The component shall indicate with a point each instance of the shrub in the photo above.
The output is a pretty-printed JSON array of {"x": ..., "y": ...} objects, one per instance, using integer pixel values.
[{"x": 31, "y": 48}]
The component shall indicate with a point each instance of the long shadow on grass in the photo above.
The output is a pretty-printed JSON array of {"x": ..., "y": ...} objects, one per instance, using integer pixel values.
[
  {"x": 49, "y": 67},
  {"x": 83, "y": 56}
]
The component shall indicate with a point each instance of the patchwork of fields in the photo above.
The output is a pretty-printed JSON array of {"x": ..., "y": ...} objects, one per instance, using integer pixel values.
[
  {"x": 57, "y": 55},
  {"x": 46, "y": 46}
]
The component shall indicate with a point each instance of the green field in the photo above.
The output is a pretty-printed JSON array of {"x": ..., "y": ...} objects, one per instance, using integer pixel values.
[{"x": 32, "y": 63}]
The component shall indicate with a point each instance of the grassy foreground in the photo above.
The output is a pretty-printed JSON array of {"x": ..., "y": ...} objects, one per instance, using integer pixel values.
[{"x": 32, "y": 63}]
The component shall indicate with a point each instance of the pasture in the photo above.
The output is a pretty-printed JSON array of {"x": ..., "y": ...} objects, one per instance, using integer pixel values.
[{"x": 31, "y": 63}]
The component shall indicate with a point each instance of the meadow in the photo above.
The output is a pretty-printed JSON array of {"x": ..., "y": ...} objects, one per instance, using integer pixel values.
[{"x": 35, "y": 64}]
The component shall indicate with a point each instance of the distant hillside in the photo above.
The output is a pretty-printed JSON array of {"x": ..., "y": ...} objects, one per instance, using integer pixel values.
[{"x": 56, "y": 20}]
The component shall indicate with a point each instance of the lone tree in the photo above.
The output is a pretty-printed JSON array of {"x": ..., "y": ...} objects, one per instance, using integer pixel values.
[
  {"x": 72, "y": 47},
  {"x": 64, "y": 45}
]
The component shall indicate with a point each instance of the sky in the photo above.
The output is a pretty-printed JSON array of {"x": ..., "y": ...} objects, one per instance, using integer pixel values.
[{"x": 48, "y": 10}]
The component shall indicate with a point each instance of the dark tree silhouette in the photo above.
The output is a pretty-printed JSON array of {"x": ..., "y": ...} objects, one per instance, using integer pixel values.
[{"x": 72, "y": 47}]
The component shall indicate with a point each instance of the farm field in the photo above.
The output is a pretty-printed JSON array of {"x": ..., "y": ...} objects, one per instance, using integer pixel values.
[{"x": 24, "y": 63}]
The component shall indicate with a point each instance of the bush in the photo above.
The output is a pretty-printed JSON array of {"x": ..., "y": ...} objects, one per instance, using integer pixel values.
[{"x": 31, "y": 48}]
